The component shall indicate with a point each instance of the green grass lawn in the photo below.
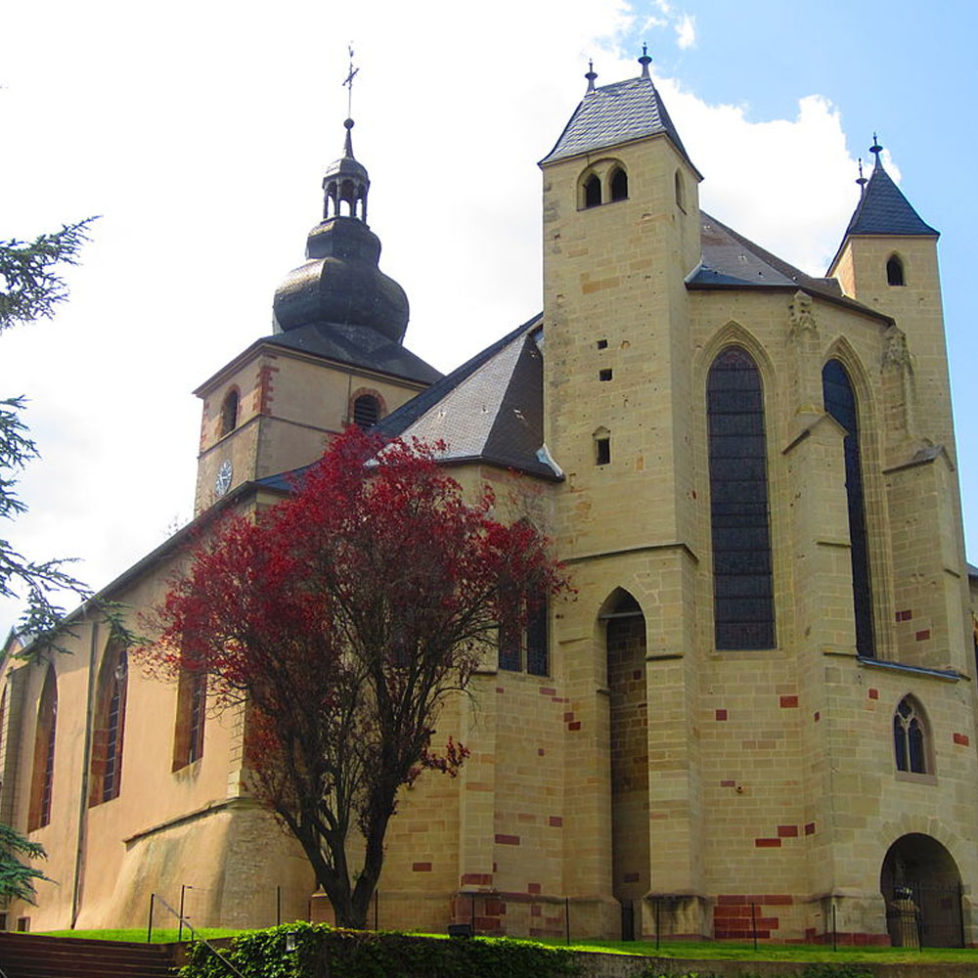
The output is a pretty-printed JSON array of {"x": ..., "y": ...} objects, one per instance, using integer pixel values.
[{"x": 708, "y": 950}]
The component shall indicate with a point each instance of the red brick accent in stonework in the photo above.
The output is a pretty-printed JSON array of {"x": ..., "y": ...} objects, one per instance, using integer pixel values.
[
  {"x": 421, "y": 867},
  {"x": 809, "y": 828},
  {"x": 874, "y": 694},
  {"x": 961, "y": 739},
  {"x": 547, "y": 691},
  {"x": 789, "y": 702},
  {"x": 721, "y": 714},
  {"x": 533, "y": 887},
  {"x": 265, "y": 388},
  {"x": 555, "y": 821},
  {"x": 576, "y": 725},
  {"x": 507, "y": 840},
  {"x": 540, "y": 752},
  {"x": 922, "y": 635},
  {"x": 568, "y": 717},
  {"x": 788, "y": 831},
  {"x": 477, "y": 879},
  {"x": 904, "y": 615},
  {"x": 500, "y": 689},
  {"x": 767, "y": 843},
  {"x": 728, "y": 784},
  {"x": 817, "y": 716}
]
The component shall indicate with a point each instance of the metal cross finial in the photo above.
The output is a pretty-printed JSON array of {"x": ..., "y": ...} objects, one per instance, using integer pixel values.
[{"x": 348, "y": 83}]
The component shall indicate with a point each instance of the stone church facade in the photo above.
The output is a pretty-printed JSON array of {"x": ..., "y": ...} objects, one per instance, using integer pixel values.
[{"x": 756, "y": 713}]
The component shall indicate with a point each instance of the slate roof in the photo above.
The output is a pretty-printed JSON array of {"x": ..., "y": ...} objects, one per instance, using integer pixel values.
[
  {"x": 489, "y": 409},
  {"x": 883, "y": 209},
  {"x": 729, "y": 259},
  {"x": 359, "y": 346},
  {"x": 614, "y": 114}
]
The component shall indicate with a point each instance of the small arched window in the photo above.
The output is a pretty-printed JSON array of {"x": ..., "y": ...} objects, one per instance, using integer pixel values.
[
  {"x": 45, "y": 734},
  {"x": 229, "y": 413},
  {"x": 366, "y": 411},
  {"x": 894, "y": 271},
  {"x": 743, "y": 588},
  {"x": 619, "y": 184},
  {"x": 592, "y": 191},
  {"x": 910, "y": 737},
  {"x": 680, "y": 191}
]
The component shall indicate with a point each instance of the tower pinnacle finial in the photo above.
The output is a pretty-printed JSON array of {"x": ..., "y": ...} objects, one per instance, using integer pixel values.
[
  {"x": 591, "y": 75},
  {"x": 876, "y": 149},
  {"x": 861, "y": 180},
  {"x": 348, "y": 83},
  {"x": 645, "y": 60}
]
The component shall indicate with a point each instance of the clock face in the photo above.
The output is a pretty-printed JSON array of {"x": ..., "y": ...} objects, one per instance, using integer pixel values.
[{"x": 223, "y": 482}]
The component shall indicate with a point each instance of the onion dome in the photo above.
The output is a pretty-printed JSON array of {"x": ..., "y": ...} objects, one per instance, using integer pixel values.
[{"x": 340, "y": 283}]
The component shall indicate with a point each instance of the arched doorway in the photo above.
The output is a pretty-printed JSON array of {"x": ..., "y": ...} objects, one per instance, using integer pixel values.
[
  {"x": 629, "y": 761},
  {"x": 921, "y": 885}
]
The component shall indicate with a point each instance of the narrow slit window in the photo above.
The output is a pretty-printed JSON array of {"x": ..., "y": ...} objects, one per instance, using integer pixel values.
[
  {"x": 229, "y": 413},
  {"x": 605, "y": 374},
  {"x": 602, "y": 449}
]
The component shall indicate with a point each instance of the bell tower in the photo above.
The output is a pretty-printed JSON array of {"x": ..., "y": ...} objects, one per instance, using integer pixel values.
[{"x": 336, "y": 356}]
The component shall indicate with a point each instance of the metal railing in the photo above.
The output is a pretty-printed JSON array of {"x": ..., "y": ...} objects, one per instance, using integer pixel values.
[{"x": 155, "y": 898}]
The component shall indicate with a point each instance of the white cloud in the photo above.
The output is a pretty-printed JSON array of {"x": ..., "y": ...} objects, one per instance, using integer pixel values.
[
  {"x": 208, "y": 179},
  {"x": 686, "y": 32}
]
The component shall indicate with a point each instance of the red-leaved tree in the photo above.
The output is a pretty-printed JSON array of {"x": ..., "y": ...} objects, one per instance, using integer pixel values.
[{"x": 346, "y": 615}]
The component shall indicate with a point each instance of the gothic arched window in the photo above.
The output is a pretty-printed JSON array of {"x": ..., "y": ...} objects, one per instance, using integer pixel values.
[
  {"x": 910, "y": 737},
  {"x": 42, "y": 775},
  {"x": 110, "y": 721},
  {"x": 743, "y": 590},
  {"x": 840, "y": 402}
]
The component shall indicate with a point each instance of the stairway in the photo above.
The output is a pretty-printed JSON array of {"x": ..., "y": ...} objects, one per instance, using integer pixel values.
[{"x": 27, "y": 956}]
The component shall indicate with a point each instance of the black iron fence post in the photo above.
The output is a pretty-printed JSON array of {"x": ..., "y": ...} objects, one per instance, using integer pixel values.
[
  {"x": 567, "y": 918},
  {"x": 149, "y": 929}
]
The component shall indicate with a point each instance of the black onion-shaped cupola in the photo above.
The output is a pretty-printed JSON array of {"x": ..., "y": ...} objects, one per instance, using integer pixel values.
[{"x": 340, "y": 284}]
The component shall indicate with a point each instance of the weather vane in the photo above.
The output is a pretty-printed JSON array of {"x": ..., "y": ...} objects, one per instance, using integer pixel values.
[{"x": 348, "y": 84}]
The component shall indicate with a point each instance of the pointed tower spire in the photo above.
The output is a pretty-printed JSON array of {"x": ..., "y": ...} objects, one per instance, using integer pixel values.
[{"x": 876, "y": 149}]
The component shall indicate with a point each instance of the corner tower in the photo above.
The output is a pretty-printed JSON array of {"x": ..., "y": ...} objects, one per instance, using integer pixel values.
[
  {"x": 336, "y": 356},
  {"x": 888, "y": 260},
  {"x": 621, "y": 234}
]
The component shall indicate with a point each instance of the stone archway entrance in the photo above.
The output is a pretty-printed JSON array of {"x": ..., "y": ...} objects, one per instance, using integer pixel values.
[{"x": 921, "y": 885}]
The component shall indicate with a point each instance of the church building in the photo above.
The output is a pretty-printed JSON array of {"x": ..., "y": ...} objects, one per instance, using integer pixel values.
[{"x": 754, "y": 716}]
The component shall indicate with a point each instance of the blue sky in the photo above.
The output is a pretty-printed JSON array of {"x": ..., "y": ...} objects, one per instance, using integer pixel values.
[{"x": 199, "y": 131}]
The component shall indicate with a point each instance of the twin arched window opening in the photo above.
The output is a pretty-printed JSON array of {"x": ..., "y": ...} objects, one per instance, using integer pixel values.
[
  {"x": 910, "y": 737},
  {"x": 616, "y": 188},
  {"x": 743, "y": 588}
]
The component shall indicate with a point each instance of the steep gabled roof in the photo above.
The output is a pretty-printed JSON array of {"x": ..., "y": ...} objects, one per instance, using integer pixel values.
[
  {"x": 489, "y": 409},
  {"x": 883, "y": 209},
  {"x": 614, "y": 114}
]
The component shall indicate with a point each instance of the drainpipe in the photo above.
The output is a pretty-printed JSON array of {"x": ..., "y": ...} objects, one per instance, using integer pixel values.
[{"x": 86, "y": 765}]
